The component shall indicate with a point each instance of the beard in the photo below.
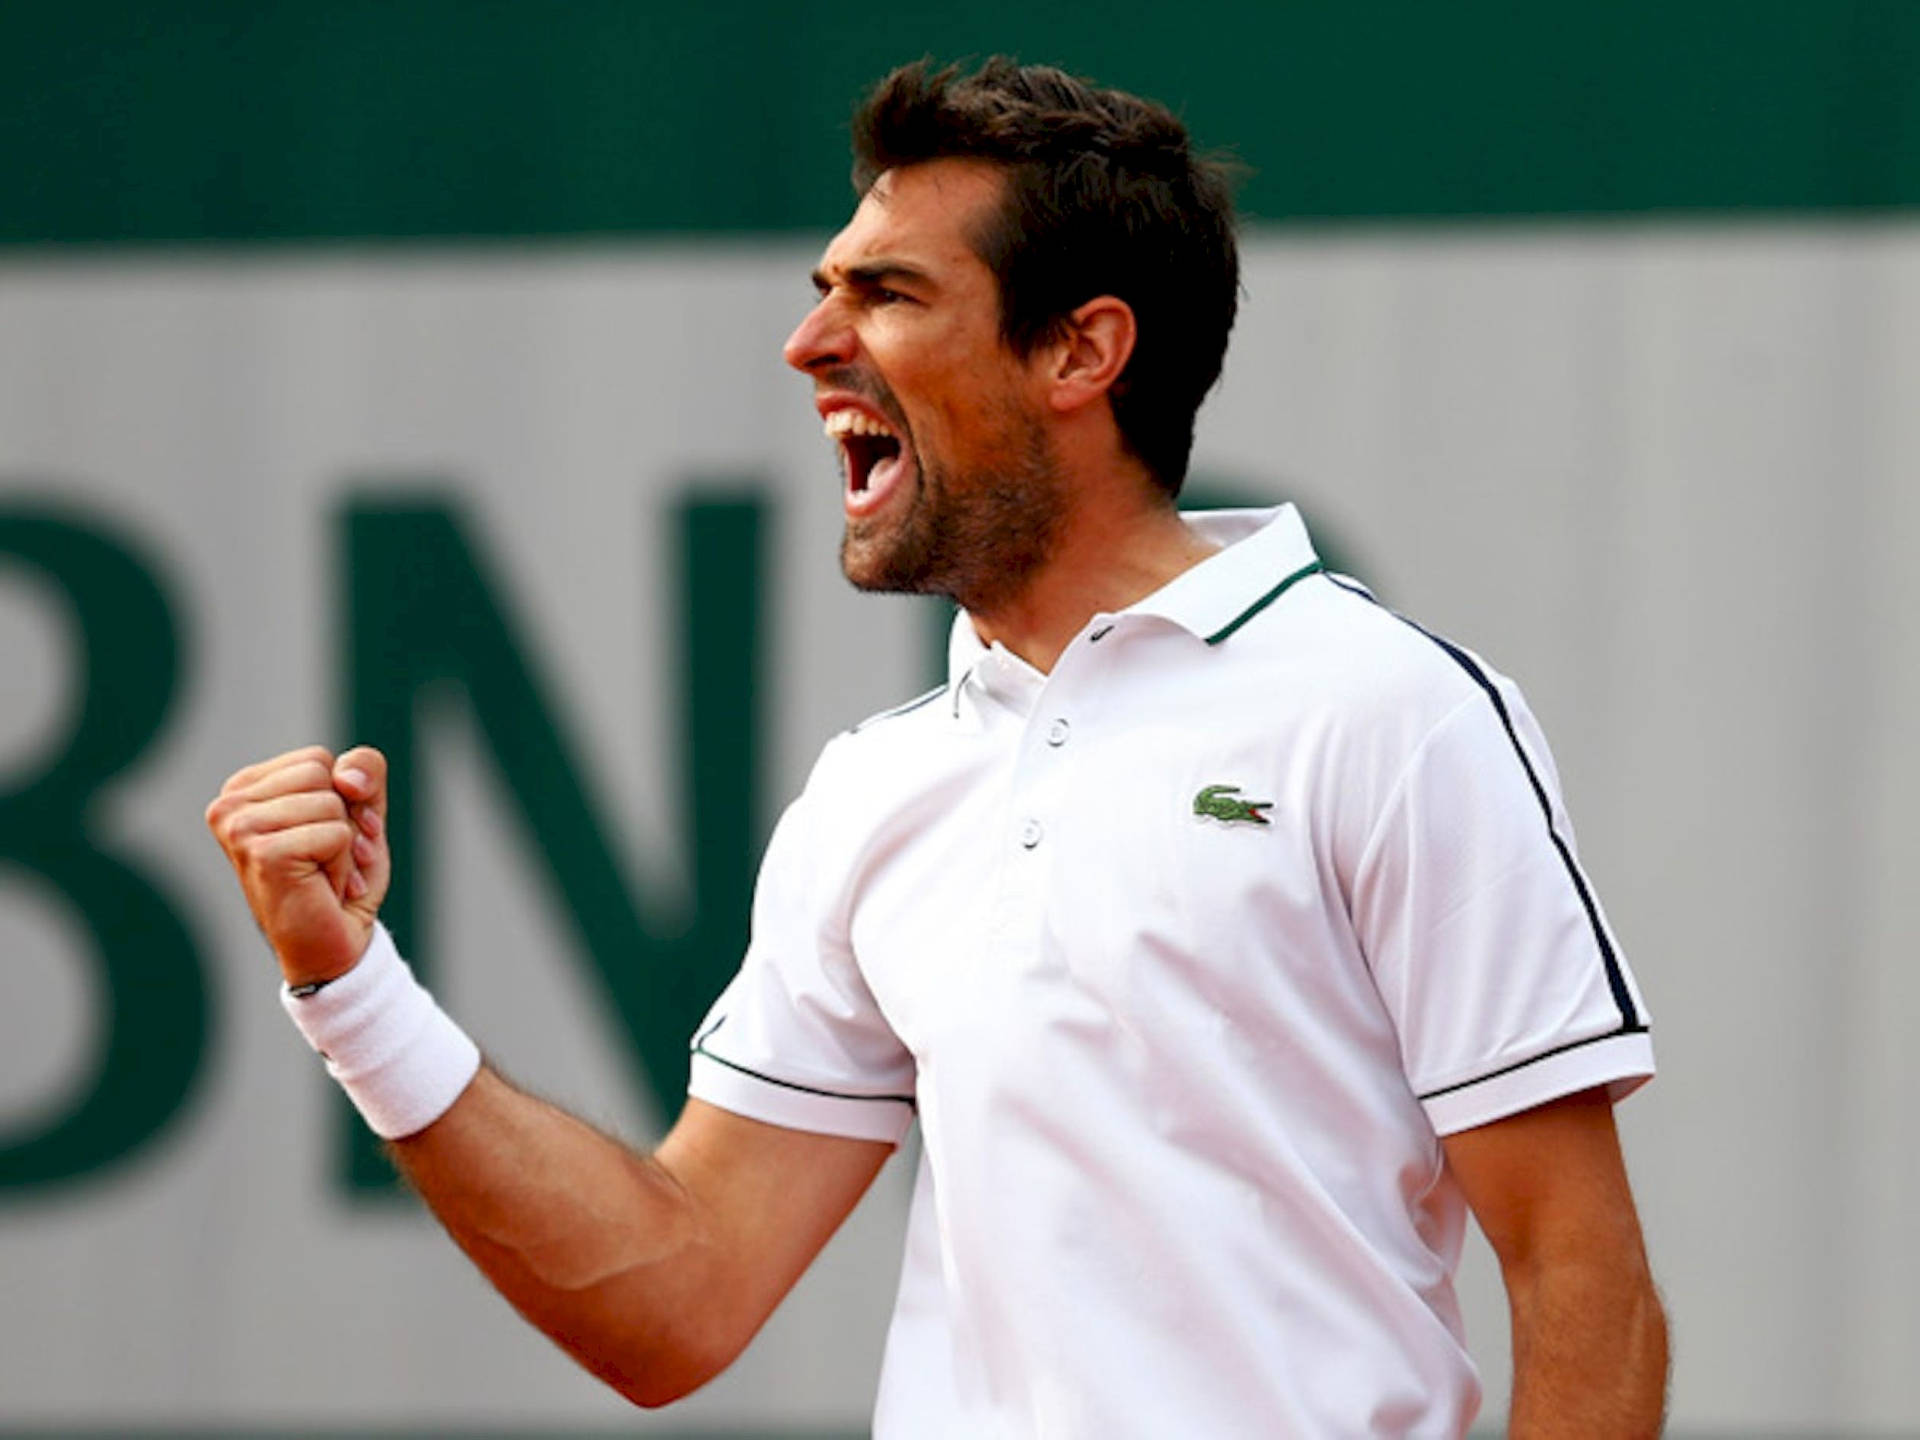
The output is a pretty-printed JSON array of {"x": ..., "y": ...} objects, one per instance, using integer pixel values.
[{"x": 977, "y": 535}]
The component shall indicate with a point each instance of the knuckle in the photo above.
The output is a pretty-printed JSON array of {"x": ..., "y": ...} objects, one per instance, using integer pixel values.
[
  {"x": 314, "y": 775},
  {"x": 294, "y": 765}
]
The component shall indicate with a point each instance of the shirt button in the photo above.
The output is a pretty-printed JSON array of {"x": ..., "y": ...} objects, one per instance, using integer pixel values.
[
  {"x": 1057, "y": 732},
  {"x": 1030, "y": 834}
]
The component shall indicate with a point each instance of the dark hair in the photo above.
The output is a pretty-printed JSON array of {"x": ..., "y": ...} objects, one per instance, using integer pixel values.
[{"x": 1104, "y": 196}]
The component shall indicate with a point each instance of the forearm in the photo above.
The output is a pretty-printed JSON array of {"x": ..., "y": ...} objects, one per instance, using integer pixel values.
[
  {"x": 596, "y": 1245},
  {"x": 601, "y": 1248},
  {"x": 1589, "y": 1354}
]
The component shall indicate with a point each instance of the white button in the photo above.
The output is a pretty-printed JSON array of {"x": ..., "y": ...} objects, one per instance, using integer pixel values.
[
  {"x": 1030, "y": 834},
  {"x": 1057, "y": 732}
]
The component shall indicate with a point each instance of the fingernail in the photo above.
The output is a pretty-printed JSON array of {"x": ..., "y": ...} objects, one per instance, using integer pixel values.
[
  {"x": 370, "y": 822},
  {"x": 363, "y": 851},
  {"x": 356, "y": 885},
  {"x": 357, "y": 779}
]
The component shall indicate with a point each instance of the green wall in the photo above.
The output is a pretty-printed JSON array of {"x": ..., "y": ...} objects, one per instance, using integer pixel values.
[{"x": 196, "y": 120}]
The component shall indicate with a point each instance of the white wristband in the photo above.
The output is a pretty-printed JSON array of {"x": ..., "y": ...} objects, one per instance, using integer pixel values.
[{"x": 398, "y": 1055}]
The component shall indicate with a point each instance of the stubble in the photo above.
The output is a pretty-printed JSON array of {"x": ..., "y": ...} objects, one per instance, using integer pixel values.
[{"x": 978, "y": 536}]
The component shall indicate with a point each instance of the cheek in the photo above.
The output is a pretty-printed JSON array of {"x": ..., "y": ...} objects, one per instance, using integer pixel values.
[{"x": 951, "y": 386}]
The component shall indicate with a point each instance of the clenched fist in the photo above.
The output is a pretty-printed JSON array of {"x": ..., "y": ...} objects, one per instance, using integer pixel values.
[{"x": 307, "y": 836}]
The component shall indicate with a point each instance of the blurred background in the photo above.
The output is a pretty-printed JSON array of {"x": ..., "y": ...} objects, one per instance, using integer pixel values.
[{"x": 409, "y": 372}]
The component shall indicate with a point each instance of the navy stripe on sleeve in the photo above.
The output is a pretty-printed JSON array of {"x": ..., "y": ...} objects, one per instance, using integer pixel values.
[{"x": 1631, "y": 1020}]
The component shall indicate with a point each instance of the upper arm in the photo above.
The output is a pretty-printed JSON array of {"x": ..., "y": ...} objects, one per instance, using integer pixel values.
[
  {"x": 765, "y": 1199},
  {"x": 798, "y": 1040},
  {"x": 1549, "y": 1186}
]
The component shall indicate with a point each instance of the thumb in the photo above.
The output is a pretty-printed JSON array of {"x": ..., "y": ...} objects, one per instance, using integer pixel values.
[
  {"x": 360, "y": 775},
  {"x": 360, "y": 778}
]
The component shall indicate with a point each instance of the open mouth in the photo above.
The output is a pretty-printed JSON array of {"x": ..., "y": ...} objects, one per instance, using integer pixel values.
[{"x": 872, "y": 455}]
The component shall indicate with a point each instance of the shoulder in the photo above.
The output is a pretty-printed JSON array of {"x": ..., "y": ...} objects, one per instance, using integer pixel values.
[
  {"x": 1370, "y": 697},
  {"x": 900, "y": 711},
  {"x": 885, "y": 750},
  {"x": 1359, "y": 663}
]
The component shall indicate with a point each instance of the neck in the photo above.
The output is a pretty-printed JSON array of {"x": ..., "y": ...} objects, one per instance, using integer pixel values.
[{"x": 1106, "y": 560}]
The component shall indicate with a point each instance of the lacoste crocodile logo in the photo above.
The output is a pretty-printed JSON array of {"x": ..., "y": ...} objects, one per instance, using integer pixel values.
[{"x": 1217, "y": 802}]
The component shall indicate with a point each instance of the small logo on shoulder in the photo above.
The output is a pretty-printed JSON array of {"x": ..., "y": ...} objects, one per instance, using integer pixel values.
[{"x": 1222, "y": 803}]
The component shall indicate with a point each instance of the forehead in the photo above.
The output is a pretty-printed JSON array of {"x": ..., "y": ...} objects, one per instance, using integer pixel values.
[{"x": 925, "y": 213}]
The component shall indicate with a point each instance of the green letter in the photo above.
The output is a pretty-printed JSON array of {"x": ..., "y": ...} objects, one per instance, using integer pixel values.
[
  {"x": 153, "y": 994},
  {"x": 422, "y": 610}
]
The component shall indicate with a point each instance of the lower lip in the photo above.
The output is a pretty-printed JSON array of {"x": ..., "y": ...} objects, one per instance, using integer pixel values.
[{"x": 882, "y": 480}]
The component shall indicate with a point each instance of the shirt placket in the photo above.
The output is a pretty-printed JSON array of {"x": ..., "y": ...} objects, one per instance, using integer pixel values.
[{"x": 1052, "y": 728}]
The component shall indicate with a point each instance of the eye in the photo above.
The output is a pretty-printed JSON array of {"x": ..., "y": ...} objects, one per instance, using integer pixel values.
[{"x": 881, "y": 295}]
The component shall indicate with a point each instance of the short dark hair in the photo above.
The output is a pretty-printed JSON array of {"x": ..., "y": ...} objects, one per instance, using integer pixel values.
[{"x": 1105, "y": 195}]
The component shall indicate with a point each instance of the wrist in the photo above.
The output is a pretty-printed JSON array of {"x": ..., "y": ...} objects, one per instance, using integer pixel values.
[
  {"x": 308, "y": 965},
  {"x": 400, "y": 1058}
]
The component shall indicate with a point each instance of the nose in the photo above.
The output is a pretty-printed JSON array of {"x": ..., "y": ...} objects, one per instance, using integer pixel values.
[{"x": 823, "y": 338}]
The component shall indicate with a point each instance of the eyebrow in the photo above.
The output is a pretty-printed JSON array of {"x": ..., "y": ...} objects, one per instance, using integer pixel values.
[{"x": 874, "y": 273}]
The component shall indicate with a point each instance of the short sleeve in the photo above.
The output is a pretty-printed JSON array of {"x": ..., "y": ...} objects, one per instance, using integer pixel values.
[
  {"x": 796, "y": 1038},
  {"x": 1484, "y": 935}
]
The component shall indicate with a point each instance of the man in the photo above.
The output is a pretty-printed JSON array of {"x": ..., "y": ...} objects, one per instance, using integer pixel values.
[{"x": 1220, "y": 928}]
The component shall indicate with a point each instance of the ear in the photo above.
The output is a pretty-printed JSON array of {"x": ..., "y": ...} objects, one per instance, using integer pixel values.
[{"x": 1091, "y": 354}]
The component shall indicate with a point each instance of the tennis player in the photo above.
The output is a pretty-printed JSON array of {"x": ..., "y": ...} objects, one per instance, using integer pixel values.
[{"x": 1222, "y": 931}]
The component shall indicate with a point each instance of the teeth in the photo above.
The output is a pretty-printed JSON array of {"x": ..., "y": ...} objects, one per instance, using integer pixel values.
[{"x": 841, "y": 423}]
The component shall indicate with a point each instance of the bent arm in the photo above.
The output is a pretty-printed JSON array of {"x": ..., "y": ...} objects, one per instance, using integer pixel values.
[
  {"x": 652, "y": 1271},
  {"x": 1549, "y": 1188}
]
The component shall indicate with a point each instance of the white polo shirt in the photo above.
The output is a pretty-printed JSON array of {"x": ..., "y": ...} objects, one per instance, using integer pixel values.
[{"x": 1185, "y": 955}]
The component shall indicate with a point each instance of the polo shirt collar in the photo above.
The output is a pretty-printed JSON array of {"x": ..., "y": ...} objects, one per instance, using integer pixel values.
[
  {"x": 991, "y": 669},
  {"x": 1263, "y": 551}
]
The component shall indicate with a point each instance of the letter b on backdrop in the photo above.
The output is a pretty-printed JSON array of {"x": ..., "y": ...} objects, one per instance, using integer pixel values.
[{"x": 154, "y": 1007}]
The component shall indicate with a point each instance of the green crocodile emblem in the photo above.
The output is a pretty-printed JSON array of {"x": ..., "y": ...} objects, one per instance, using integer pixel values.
[{"x": 1218, "y": 802}]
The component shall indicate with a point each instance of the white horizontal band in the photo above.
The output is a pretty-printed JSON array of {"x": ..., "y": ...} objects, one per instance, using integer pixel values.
[
  {"x": 397, "y": 1054},
  {"x": 1623, "y": 1063}
]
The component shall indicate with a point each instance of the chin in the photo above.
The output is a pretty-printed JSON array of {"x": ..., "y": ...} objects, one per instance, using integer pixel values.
[
  {"x": 865, "y": 570},
  {"x": 880, "y": 564}
]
